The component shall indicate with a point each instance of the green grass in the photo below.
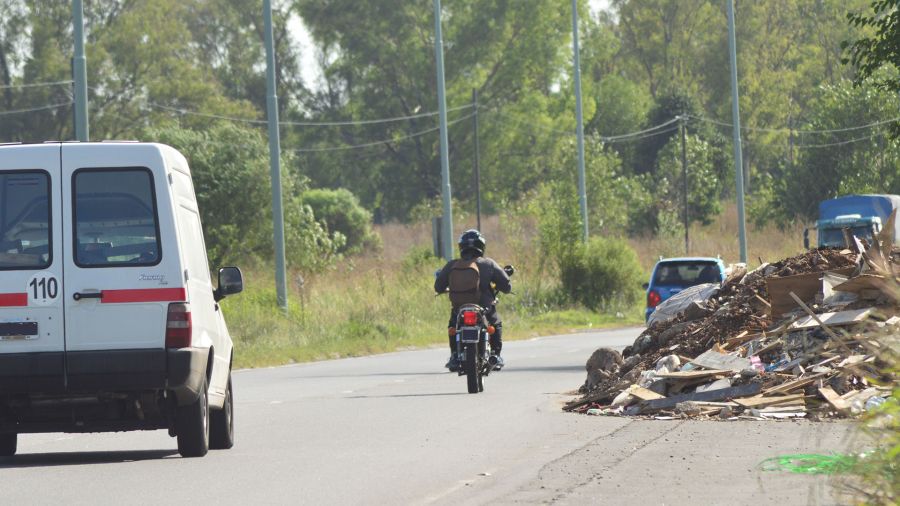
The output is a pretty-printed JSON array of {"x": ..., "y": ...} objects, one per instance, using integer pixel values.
[{"x": 378, "y": 306}]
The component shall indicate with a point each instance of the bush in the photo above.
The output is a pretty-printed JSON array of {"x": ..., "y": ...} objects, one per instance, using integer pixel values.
[
  {"x": 341, "y": 212},
  {"x": 602, "y": 274}
]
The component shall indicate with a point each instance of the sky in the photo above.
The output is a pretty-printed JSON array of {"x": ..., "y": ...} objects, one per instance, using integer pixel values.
[{"x": 310, "y": 67}]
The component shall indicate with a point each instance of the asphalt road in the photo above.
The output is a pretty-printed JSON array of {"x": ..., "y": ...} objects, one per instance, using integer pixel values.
[{"x": 397, "y": 429}]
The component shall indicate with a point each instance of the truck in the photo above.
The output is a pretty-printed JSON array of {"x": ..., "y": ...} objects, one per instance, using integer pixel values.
[{"x": 864, "y": 215}]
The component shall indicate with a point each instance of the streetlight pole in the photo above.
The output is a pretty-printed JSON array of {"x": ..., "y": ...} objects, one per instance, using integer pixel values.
[
  {"x": 275, "y": 159},
  {"x": 477, "y": 160},
  {"x": 736, "y": 119},
  {"x": 582, "y": 191},
  {"x": 684, "y": 176},
  {"x": 79, "y": 74},
  {"x": 447, "y": 221}
]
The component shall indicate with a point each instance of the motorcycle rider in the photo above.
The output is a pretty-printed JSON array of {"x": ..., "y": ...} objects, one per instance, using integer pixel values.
[{"x": 490, "y": 275}]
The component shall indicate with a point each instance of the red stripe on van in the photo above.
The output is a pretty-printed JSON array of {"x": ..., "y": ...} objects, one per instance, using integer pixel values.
[
  {"x": 144, "y": 295},
  {"x": 13, "y": 299}
]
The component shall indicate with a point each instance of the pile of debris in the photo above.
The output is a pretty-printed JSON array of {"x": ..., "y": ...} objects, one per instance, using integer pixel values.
[{"x": 803, "y": 337}]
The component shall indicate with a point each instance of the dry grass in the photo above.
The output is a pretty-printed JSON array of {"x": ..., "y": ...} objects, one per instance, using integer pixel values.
[
  {"x": 720, "y": 238},
  {"x": 383, "y": 301}
]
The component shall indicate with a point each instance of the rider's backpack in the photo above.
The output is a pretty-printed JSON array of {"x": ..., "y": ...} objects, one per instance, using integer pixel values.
[{"x": 465, "y": 283}]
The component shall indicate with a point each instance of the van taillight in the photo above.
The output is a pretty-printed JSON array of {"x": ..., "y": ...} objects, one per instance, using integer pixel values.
[{"x": 178, "y": 326}]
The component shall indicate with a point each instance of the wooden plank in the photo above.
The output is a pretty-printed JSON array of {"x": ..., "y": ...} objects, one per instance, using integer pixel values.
[
  {"x": 712, "y": 359},
  {"x": 834, "y": 319},
  {"x": 841, "y": 405},
  {"x": 793, "y": 385},
  {"x": 687, "y": 375},
  {"x": 863, "y": 282},
  {"x": 760, "y": 401},
  {"x": 643, "y": 393},
  {"x": 713, "y": 395}
]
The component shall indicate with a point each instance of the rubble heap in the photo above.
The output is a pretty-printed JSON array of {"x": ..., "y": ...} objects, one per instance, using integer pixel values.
[{"x": 801, "y": 337}]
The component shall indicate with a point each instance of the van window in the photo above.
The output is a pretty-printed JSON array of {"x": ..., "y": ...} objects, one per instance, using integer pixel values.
[
  {"x": 115, "y": 218},
  {"x": 25, "y": 220}
]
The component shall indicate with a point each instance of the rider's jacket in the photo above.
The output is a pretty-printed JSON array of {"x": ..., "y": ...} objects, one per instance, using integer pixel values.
[{"x": 489, "y": 271}]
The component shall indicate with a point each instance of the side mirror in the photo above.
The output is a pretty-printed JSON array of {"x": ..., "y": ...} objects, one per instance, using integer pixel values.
[
  {"x": 806, "y": 238},
  {"x": 509, "y": 270},
  {"x": 645, "y": 286},
  {"x": 231, "y": 281}
]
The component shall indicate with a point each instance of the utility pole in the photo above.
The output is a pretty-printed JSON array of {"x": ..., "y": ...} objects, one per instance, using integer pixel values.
[
  {"x": 684, "y": 176},
  {"x": 79, "y": 74},
  {"x": 736, "y": 119},
  {"x": 791, "y": 132},
  {"x": 477, "y": 169},
  {"x": 447, "y": 222},
  {"x": 582, "y": 191},
  {"x": 275, "y": 159}
]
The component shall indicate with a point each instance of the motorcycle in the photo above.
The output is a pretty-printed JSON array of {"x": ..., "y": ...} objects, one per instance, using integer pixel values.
[{"x": 472, "y": 332}]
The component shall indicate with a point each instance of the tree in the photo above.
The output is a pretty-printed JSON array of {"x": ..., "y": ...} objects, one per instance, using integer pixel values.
[
  {"x": 834, "y": 163},
  {"x": 382, "y": 65},
  {"x": 871, "y": 53},
  {"x": 230, "y": 166}
]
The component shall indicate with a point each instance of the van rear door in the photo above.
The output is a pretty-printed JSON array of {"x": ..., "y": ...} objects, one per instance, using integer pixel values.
[
  {"x": 32, "y": 340},
  {"x": 122, "y": 266}
]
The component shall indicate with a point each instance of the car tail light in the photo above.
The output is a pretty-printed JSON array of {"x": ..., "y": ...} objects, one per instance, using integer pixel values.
[
  {"x": 470, "y": 318},
  {"x": 178, "y": 326},
  {"x": 653, "y": 298}
]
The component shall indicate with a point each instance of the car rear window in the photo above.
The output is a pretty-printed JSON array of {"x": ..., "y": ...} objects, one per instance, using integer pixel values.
[
  {"x": 25, "y": 220},
  {"x": 686, "y": 273},
  {"x": 115, "y": 218}
]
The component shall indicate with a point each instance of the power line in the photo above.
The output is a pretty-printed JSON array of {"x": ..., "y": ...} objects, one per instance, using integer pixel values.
[
  {"x": 840, "y": 143},
  {"x": 646, "y": 136},
  {"x": 306, "y": 123},
  {"x": 35, "y": 109},
  {"x": 34, "y": 85},
  {"x": 801, "y": 132},
  {"x": 614, "y": 138},
  {"x": 376, "y": 143}
]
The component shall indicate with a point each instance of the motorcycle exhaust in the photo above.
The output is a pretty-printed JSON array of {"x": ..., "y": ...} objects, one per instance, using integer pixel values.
[{"x": 492, "y": 360}]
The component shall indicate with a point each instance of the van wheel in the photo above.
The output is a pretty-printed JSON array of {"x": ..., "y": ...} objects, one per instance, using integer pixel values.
[
  {"x": 8, "y": 444},
  {"x": 221, "y": 428},
  {"x": 192, "y": 426}
]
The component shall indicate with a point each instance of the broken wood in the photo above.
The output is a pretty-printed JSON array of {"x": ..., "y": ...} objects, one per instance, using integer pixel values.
[
  {"x": 793, "y": 385},
  {"x": 760, "y": 401},
  {"x": 713, "y": 395},
  {"x": 834, "y": 319},
  {"x": 814, "y": 317},
  {"x": 644, "y": 394},
  {"x": 840, "y": 405},
  {"x": 690, "y": 375}
]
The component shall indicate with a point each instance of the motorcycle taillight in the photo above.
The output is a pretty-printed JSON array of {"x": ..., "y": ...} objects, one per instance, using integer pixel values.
[{"x": 470, "y": 318}]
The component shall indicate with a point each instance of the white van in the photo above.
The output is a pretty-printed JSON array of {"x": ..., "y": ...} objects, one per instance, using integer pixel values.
[{"x": 108, "y": 317}]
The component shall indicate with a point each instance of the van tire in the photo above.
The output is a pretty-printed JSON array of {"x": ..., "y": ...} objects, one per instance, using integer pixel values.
[
  {"x": 192, "y": 425},
  {"x": 221, "y": 422},
  {"x": 8, "y": 444}
]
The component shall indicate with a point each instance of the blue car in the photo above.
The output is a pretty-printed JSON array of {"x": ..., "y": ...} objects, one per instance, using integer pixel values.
[{"x": 672, "y": 275}]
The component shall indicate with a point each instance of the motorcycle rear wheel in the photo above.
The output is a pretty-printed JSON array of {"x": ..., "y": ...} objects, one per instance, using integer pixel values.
[{"x": 473, "y": 374}]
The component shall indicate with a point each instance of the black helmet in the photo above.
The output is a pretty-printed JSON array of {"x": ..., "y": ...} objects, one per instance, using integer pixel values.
[{"x": 471, "y": 240}]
